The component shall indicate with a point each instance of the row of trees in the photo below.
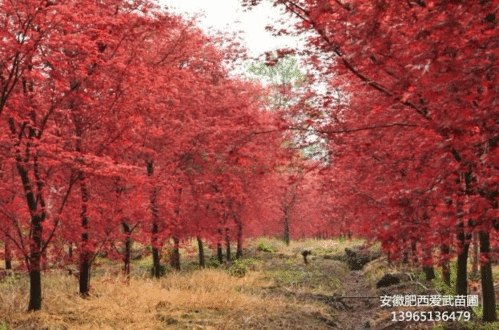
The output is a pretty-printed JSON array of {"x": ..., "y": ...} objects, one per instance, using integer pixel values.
[
  {"x": 414, "y": 148},
  {"x": 119, "y": 123}
]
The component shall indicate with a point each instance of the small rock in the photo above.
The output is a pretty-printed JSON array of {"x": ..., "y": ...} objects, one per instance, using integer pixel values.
[{"x": 388, "y": 280}]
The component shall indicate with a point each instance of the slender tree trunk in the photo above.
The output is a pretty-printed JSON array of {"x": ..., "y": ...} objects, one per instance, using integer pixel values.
[
  {"x": 70, "y": 257},
  {"x": 8, "y": 254},
  {"x": 35, "y": 247},
  {"x": 154, "y": 239},
  {"x": 155, "y": 254},
  {"x": 227, "y": 244},
  {"x": 286, "y": 236},
  {"x": 175, "y": 259},
  {"x": 220, "y": 254},
  {"x": 35, "y": 276},
  {"x": 85, "y": 256},
  {"x": 35, "y": 288},
  {"x": 445, "y": 267},
  {"x": 489, "y": 303},
  {"x": 127, "y": 252},
  {"x": 33, "y": 260},
  {"x": 429, "y": 272},
  {"x": 32, "y": 194},
  {"x": 414, "y": 254},
  {"x": 239, "y": 234},
  {"x": 84, "y": 279},
  {"x": 201, "y": 252},
  {"x": 462, "y": 261},
  {"x": 428, "y": 268},
  {"x": 475, "y": 255}
]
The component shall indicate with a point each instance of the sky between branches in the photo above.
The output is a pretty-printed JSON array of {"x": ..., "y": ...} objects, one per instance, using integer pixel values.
[{"x": 229, "y": 16}]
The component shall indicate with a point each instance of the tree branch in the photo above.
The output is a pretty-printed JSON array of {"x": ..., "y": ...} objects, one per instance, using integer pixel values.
[{"x": 352, "y": 130}]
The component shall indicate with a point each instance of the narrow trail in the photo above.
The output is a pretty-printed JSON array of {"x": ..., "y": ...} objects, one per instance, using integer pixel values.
[
  {"x": 358, "y": 311},
  {"x": 362, "y": 314}
]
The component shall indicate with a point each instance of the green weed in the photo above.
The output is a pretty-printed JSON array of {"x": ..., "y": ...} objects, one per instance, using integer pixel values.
[{"x": 266, "y": 245}]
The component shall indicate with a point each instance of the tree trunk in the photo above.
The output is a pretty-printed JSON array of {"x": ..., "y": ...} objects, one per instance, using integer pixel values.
[
  {"x": 475, "y": 255},
  {"x": 35, "y": 276},
  {"x": 429, "y": 272},
  {"x": 175, "y": 258},
  {"x": 414, "y": 254},
  {"x": 33, "y": 260},
  {"x": 286, "y": 238},
  {"x": 84, "y": 280},
  {"x": 201, "y": 252},
  {"x": 239, "y": 252},
  {"x": 127, "y": 252},
  {"x": 155, "y": 256},
  {"x": 428, "y": 264},
  {"x": 445, "y": 267},
  {"x": 70, "y": 257},
  {"x": 154, "y": 231},
  {"x": 239, "y": 237},
  {"x": 8, "y": 255},
  {"x": 220, "y": 253},
  {"x": 85, "y": 256},
  {"x": 227, "y": 244},
  {"x": 489, "y": 303},
  {"x": 35, "y": 289},
  {"x": 462, "y": 261}
]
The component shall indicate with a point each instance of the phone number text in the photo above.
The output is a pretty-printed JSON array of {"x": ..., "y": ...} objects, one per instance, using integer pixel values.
[{"x": 402, "y": 316}]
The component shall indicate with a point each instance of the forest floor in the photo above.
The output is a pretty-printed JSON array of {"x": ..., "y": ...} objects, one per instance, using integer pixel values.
[{"x": 270, "y": 288}]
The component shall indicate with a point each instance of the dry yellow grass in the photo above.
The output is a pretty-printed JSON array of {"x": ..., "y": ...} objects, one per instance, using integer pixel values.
[{"x": 204, "y": 299}]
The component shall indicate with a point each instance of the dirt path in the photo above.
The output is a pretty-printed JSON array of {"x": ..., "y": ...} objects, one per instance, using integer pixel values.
[
  {"x": 361, "y": 314},
  {"x": 358, "y": 311},
  {"x": 353, "y": 300},
  {"x": 347, "y": 312}
]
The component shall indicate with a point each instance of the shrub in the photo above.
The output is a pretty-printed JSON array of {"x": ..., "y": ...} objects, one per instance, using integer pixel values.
[
  {"x": 265, "y": 245},
  {"x": 212, "y": 262},
  {"x": 238, "y": 268}
]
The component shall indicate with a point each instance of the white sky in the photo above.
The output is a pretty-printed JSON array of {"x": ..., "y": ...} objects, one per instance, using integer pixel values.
[{"x": 229, "y": 16}]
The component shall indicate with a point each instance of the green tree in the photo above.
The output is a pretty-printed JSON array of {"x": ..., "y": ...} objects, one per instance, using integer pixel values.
[{"x": 284, "y": 77}]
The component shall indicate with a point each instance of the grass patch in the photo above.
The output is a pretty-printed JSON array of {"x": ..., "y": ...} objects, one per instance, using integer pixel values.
[
  {"x": 230, "y": 297},
  {"x": 324, "y": 276},
  {"x": 265, "y": 244},
  {"x": 205, "y": 297}
]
